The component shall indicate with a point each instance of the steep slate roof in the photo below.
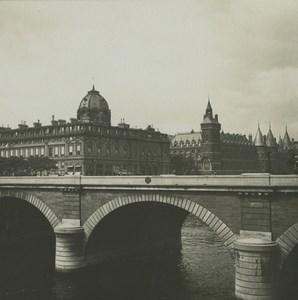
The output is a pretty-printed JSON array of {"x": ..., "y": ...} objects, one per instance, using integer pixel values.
[
  {"x": 259, "y": 140},
  {"x": 286, "y": 140},
  {"x": 232, "y": 137},
  {"x": 270, "y": 140},
  {"x": 187, "y": 136}
]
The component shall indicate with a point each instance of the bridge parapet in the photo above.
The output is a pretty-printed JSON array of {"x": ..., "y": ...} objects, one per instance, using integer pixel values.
[{"x": 250, "y": 182}]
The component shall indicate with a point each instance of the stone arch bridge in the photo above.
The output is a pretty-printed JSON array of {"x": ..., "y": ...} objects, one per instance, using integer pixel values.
[{"x": 255, "y": 216}]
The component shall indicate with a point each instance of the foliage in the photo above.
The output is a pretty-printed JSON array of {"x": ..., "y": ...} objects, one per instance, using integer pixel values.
[
  {"x": 183, "y": 165},
  {"x": 32, "y": 166}
]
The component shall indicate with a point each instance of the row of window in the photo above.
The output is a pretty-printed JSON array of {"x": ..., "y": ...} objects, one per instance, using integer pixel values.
[
  {"x": 60, "y": 150},
  {"x": 74, "y": 128},
  {"x": 23, "y": 152},
  {"x": 187, "y": 143},
  {"x": 39, "y": 151}
]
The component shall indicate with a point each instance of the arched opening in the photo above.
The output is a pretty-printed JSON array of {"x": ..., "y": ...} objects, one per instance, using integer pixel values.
[
  {"x": 27, "y": 246},
  {"x": 139, "y": 228},
  {"x": 288, "y": 279},
  {"x": 170, "y": 253}
]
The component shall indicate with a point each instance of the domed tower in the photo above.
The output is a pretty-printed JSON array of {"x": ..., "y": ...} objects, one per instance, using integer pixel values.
[
  {"x": 211, "y": 150},
  {"x": 94, "y": 109}
]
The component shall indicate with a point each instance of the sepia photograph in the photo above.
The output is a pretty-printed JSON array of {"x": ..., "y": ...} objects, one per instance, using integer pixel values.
[{"x": 149, "y": 150}]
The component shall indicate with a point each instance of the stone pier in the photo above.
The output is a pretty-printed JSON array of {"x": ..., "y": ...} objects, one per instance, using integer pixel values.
[
  {"x": 256, "y": 269},
  {"x": 69, "y": 248}
]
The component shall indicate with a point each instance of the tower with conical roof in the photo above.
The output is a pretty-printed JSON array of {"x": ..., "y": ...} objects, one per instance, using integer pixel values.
[
  {"x": 261, "y": 148},
  {"x": 286, "y": 140},
  {"x": 211, "y": 149},
  {"x": 272, "y": 150}
]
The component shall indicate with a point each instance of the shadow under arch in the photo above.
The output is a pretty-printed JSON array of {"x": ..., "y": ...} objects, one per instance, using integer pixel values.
[
  {"x": 287, "y": 281},
  {"x": 43, "y": 208},
  {"x": 288, "y": 241},
  {"x": 207, "y": 217}
]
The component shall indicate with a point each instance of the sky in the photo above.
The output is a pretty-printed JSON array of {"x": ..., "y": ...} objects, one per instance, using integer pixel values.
[{"x": 155, "y": 62}]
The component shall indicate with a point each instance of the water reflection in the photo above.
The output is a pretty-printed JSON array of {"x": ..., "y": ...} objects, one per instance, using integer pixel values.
[{"x": 202, "y": 270}]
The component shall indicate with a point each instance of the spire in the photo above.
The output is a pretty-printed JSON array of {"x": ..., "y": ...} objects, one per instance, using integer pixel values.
[
  {"x": 208, "y": 104},
  {"x": 209, "y": 110},
  {"x": 259, "y": 140},
  {"x": 270, "y": 140},
  {"x": 93, "y": 89},
  {"x": 286, "y": 140}
]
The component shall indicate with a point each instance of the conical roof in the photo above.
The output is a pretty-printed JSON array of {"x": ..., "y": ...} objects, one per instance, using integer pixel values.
[
  {"x": 208, "y": 117},
  {"x": 286, "y": 140},
  {"x": 270, "y": 140},
  {"x": 259, "y": 140}
]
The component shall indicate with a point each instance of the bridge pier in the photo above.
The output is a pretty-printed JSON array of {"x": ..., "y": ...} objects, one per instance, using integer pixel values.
[
  {"x": 69, "y": 248},
  {"x": 256, "y": 269}
]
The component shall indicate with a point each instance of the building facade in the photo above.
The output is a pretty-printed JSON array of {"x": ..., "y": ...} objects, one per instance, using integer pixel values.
[
  {"x": 89, "y": 145},
  {"x": 217, "y": 152}
]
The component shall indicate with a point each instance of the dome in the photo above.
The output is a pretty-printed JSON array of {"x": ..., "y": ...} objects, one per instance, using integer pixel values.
[{"x": 94, "y": 108}]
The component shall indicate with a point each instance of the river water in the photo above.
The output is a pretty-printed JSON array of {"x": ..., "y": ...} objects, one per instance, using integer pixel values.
[{"x": 202, "y": 270}]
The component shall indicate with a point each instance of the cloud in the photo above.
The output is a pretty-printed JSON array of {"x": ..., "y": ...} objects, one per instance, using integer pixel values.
[{"x": 154, "y": 61}]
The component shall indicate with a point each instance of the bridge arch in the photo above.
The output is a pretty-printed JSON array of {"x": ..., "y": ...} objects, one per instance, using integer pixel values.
[
  {"x": 287, "y": 241},
  {"x": 207, "y": 217},
  {"x": 32, "y": 199}
]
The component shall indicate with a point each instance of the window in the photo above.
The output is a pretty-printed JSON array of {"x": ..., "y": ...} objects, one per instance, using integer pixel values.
[
  {"x": 78, "y": 149},
  {"x": 99, "y": 150},
  {"x": 26, "y": 152},
  {"x": 31, "y": 151},
  {"x": 36, "y": 151},
  {"x": 108, "y": 151},
  {"x": 50, "y": 151},
  {"x": 56, "y": 150},
  {"x": 62, "y": 150},
  {"x": 89, "y": 149},
  {"x": 70, "y": 150},
  {"x": 41, "y": 151}
]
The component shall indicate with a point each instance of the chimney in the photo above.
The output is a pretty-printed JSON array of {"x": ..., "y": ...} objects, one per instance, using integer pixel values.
[
  {"x": 61, "y": 122},
  {"x": 54, "y": 122},
  {"x": 23, "y": 125},
  {"x": 37, "y": 124},
  {"x": 73, "y": 120}
]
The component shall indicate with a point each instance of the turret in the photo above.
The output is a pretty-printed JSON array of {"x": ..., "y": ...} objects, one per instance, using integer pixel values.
[
  {"x": 286, "y": 141},
  {"x": 261, "y": 148},
  {"x": 270, "y": 140},
  {"x": 272, "y": 150}
]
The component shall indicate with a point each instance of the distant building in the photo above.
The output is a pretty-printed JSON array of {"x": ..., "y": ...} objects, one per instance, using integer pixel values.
[
  {"x": 89, "y": 145},
  {"x": 189, "y": 145},
  {"x": 216, "y": 152},
  {"x": 296, "y": 156}
]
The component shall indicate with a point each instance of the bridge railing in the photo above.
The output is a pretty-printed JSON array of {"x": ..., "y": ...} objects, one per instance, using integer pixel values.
[{"x": 245, "y": 180}]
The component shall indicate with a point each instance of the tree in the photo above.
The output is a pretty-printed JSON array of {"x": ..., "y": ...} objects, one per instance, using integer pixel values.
[
  {"x": 32, "y": 166},
  {"x": 183, "y": 165}
]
